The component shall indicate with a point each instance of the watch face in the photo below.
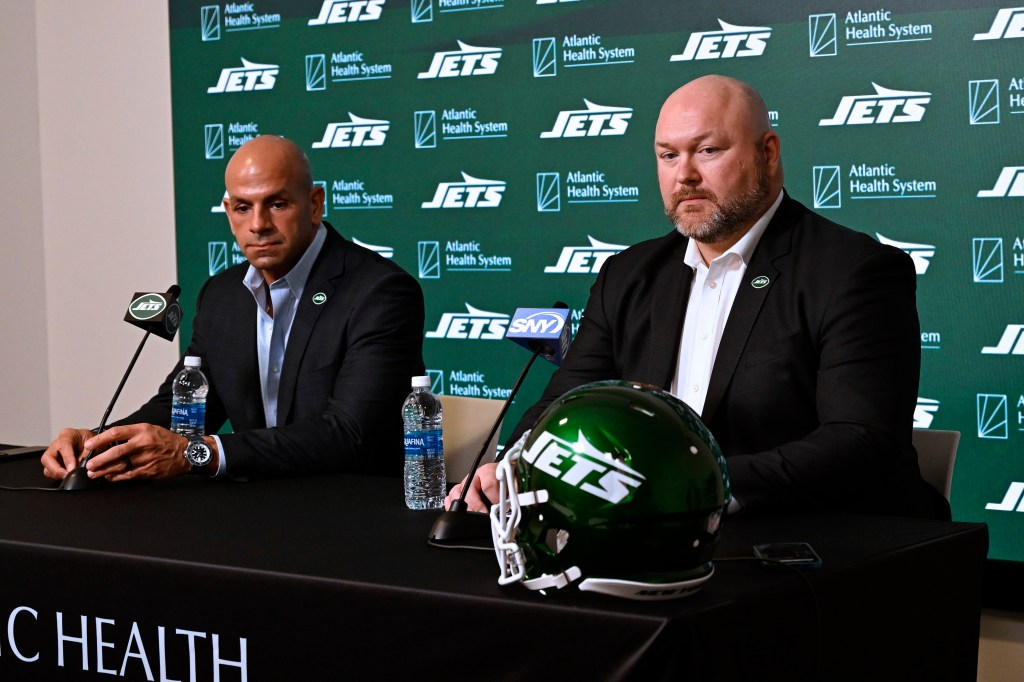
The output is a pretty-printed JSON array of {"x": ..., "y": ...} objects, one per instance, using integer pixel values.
[{"x": 198, "y": 453}]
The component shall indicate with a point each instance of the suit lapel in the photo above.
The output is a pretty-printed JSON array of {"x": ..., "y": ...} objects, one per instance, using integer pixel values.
[
  {"x": 671, "y": 293},
  {"x": 245, "y": 353},
  {"x": 755, "y": 289},
  {"x": 328, "y": 266}
]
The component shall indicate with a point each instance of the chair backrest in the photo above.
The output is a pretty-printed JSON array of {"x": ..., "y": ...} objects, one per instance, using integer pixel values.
[
  {"x": 466, "y": 422},
  {"x": 936, "y": 453}
]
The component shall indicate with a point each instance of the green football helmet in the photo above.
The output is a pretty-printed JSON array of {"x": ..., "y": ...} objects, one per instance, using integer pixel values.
[{"x": 618, "y": 484}]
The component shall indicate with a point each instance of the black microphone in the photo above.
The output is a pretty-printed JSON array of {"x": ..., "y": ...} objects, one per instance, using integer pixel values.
[
  {"x": 545, "y": 332},
  {"x": 157, "y": 313}
]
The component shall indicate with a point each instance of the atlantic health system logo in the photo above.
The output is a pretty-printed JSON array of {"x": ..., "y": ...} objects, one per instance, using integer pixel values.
[
  {"x": 885, "y": 106},
  {"x": 731, "y": 41},
  {"x": 238, "y": 16},
  {"x": 860, "y": 28}
]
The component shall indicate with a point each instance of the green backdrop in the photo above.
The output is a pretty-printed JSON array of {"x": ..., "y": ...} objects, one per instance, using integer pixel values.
[{"x": 500, "y": 150}]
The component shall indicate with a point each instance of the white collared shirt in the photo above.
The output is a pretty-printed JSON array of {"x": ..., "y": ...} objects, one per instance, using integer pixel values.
[{"x": 712, "y": 293}]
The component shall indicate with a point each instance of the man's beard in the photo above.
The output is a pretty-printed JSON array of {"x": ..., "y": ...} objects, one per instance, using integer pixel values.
[{"x": 727, "y": 217}]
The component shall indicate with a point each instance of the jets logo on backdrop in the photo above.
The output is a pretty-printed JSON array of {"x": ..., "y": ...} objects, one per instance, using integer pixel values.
[
  {"x": 1010, "y": 183},
  {"x": 358, "y": 132},
  {"x": 386, "y": 251},
  {"x": 924, "y": 413},
  {"x": 470, "y": 193},
  {"x": 583, "y": 260},
  {"x": 593, "y": 121},
  {"x": 583, "y": 466},
  {"x": 731, "y": 41},
  {"x": 1009, "y": 23},
  {"x": 1010, "y": 343},
  {"x": 474, "y": 324},
  {"x": 251, "y": 76},
  {"x": 466, "y": 61},
  {"x": 885, "y": 106},
  {"x": 347, "y": 11},
  {"x": 1013, "y": 499},
  {"x": 919, "y": 253}
]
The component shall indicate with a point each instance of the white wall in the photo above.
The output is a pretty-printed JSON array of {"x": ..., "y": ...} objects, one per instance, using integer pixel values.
[
  {"x": 86, "y": 134},
  {"x": 24, "y": 402}
]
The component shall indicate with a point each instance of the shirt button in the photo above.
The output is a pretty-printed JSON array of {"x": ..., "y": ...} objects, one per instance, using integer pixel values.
[
  {"x": 695, "y": 388},
  {"x": 713, "y": 285},
  {"x": 704, "y": 336}
]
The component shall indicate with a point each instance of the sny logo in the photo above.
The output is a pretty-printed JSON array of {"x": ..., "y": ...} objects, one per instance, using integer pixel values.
[
  {"x": 1011, "y": 343},
  {"x": 345, "y": 11},
  {"x": 1009, "y": 23},
  {"x": 579, "y": 464},
  {"x": 474, "y": 324},
  {"x": 584, "y": 260},
  {"x": 590, "y": 122},
  {"x": 466, "y": 61},
  {"x": 731, "y": 41},
  {"x": 919, "y": 253},
  {"x": 544, "y": 322},
  {"x": 250, "y": 77},
  {"x": 360, "y": 132},
  {"x": 471, "y": 193},
  {"x": 1010, "y": 183},
  {"x": 885, "y": 106}
]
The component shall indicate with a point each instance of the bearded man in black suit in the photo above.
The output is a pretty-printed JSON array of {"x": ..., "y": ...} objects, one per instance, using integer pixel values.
[{"x": 796, "y": 340}]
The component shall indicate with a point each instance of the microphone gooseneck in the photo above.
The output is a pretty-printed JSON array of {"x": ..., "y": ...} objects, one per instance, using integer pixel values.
[{"x": 457, "y": 526}]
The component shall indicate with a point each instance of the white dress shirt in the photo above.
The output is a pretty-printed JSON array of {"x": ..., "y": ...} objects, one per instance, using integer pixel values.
[{"x": 712, "y": 293}]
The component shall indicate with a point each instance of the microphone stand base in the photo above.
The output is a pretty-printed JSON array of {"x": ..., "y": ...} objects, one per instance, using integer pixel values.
[
  {"x": 78, "y": 479},
  {"x": 461, "y": 529}
]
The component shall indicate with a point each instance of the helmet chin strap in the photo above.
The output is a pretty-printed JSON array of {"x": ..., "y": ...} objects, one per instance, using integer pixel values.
[{"x": 628, "y": 589}]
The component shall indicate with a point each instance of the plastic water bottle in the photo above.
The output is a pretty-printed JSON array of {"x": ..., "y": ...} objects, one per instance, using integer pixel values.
[
  {"x": 188, "y": 404},
  {"x": 425, "y": 482}
]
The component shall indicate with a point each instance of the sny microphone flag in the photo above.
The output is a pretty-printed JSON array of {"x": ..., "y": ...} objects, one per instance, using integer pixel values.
[{"x": 546, "y": 328}]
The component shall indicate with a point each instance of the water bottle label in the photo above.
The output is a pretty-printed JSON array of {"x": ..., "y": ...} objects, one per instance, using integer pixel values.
[
  {"x": 188, "y": 416},
  {"x": 424, "y": 445}
]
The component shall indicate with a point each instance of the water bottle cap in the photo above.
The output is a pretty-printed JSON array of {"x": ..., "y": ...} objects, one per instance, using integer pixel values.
[
  {"x": 193, "y": 361},
  {"x": 421, "y": 382}
]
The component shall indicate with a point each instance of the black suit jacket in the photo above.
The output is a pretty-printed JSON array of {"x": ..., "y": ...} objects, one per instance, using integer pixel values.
[
  {"x": 345, "y": 375},
  {"x": 814, "y": 386}
]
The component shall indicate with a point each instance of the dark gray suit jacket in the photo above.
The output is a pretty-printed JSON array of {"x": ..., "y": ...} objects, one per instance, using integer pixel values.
[
  {"x": 815, "y": 383},
  {"x": 346, "y": 370}
]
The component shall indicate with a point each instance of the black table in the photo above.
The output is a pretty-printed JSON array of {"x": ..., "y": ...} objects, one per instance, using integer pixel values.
[{"x": 324, "y": 578}]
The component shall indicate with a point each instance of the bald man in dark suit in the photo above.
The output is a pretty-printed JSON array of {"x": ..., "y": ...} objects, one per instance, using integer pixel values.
[
  {"x": 796, "y": 340},
  {"x": 309, "y": 347}
]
